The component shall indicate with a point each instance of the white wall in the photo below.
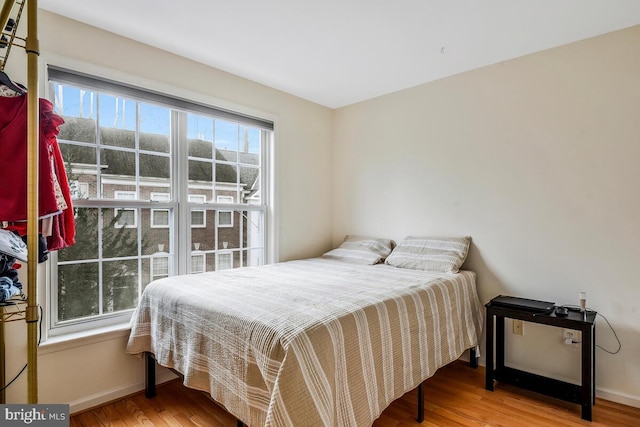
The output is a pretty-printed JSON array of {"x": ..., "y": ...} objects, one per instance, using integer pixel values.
[
  {"x": 95, "y": 370},
  {"x": 538, "y": 159}
]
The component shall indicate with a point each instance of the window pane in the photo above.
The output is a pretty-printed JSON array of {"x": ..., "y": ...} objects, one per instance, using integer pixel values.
[
  {"x": 198, "y": 218},
  {"x": 78, "y": 129},
  {"x": 77, "y": 108},
  {"x": 160, "y": 197},
  {"x": 253, "y": 229},
  {"x": 79, "y": 190},
  {"x": 249, "y": 158},
  {"x": 159, "y": 218},
  {"x": 227, "y": 173},
  {"x": 225, "y": 218},
  {"x": 204, "y": 238},
  {"x": 253, "y": 141},
  {"x": 116, "y": 165},
  {"x": 229, "y": 236},
  {"x": 253, "y": 258},
  {"x": 117, "y": 112},
  {"x": 155, "y": 238},
  {"x": 159, "y": 266},
  {"x": 73, "y": 101},
  {"x": 120, "y": 285},
  {"x": 200, "y": 171},
  {"x": 250, "y": 183},
  {"x": 155, "y": 128},
  {"x": 226, "y": 140},
  {"x": 155, "y": 142},
  {"x": 200, "y": 136},
  {"x": 86, "y": 246},
  {"x": 126, "y": 218},
  {"x": 80, "y": 165},
  {"x": 155, "y": 166},
  {"x": 201, "y": 149},
  {"x": 224, "y": 261},
  {"x": 197, "y": 263},
  {"x": 117, "y": 121},
  {"x": 78, "y": 287},
  {"x": 117, "y": 240}
]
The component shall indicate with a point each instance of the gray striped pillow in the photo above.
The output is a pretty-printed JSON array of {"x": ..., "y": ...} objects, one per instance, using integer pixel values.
[
  {"x": 441, "y": 254},
  {"x": 361, "y": 250}
]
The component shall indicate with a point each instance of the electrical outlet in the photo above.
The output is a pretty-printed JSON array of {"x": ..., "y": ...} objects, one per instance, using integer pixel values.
[
  {"x": 518, "y": 327},
  {"x": 569, "y": 336}
]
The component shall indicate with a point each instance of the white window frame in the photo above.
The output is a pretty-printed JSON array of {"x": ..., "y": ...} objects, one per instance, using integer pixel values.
[
  {"x": 79, "y": 190},
  {"x": 224, "y": 199},
  {"x": 179, "y": 207},
  {"x": 227, "y": 263},
  {"x": 154, "y": 259},
  {"x": 125, "y": 195},
  {"x": 198, "y": 198},
  {"x": 201, "y": 256},
  {"x": 160, "y": 197}
]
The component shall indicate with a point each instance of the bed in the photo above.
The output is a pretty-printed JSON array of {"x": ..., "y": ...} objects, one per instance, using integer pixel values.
[{"x": 309, "y": 342}]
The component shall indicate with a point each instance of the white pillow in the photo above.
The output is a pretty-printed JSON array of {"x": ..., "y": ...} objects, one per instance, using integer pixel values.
[
  {"x": 361, "y": 250},
  {"x": 440, "y": 254}
]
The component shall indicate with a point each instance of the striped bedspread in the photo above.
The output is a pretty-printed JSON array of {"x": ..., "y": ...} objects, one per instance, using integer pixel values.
[{"x": 308, "y": 343}]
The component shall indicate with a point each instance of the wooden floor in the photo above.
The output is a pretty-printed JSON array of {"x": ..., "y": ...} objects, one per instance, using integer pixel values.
[{"x": 455, "y": 396}]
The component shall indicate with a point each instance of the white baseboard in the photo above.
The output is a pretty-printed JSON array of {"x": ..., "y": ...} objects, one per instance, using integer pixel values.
[
  {"x": 616, "y": 396},
  {"x": 164, "y": 375},
  {"x": 88, "y": 402},
  {"x": 602, "y": 393}
]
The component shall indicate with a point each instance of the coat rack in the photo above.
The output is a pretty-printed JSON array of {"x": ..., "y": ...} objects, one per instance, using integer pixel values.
[{"x": 32, "y": 48}]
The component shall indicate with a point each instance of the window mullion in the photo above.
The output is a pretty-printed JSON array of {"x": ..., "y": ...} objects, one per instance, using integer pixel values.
[
  {"x": 181, "y": 193},
  {"x": 100, "y": 281}
]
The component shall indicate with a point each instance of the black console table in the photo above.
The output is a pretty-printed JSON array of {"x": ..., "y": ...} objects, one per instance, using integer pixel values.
[{"x": 583, "y": 394}]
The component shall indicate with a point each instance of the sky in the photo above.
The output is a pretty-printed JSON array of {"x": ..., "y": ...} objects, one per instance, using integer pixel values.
[{"x": 119, "y": 112}]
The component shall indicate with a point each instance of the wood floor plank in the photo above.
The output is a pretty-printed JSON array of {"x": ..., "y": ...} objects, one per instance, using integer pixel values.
[{"x": 455, "y": 396}]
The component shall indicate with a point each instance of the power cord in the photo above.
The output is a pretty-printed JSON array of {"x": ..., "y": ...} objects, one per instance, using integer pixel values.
[
  {"x": 614, "y": 334},
  {"x": 577, "y": 308},
  {"x": 25, "y": 365}
]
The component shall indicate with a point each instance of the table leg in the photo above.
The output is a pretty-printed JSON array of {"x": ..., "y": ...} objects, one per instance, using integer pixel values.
[
  {"x": 586, "y": 390},
  {"x": 499, "y": 343},
  {"x": 593, "y": 362},
  {"x": 489, "y": 351}
]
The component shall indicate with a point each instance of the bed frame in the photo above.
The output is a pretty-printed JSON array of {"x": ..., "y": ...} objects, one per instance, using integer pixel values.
[{"x": 150, "y": 381}]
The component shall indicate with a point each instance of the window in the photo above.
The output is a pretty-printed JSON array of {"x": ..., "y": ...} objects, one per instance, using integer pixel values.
[
  {"x": 225, "y": 218},
  {"x": 125, "y": 217},
  {"x": 224, "y": 261},
  {"x": 198, "y": 263},
  {"x": 159, "y": 267},
  {"x": 160, "y": 217},
  {"x": 198, "y": 216},
  {"x": 79, "y": 190},
  {"x": 132, "y": 191}
]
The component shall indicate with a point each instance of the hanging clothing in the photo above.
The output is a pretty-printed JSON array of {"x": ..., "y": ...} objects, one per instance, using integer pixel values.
[
  {"x": 13, "y": 160},
  {"x": 64, "y": 225},
  {"x": 54, "y": 203}
]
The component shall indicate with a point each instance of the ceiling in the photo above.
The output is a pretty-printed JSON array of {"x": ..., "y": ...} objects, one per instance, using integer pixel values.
[{"x": 338, "y": 52}]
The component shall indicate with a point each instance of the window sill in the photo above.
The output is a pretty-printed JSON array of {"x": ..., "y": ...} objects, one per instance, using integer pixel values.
[{"x": 79, "y": 339}]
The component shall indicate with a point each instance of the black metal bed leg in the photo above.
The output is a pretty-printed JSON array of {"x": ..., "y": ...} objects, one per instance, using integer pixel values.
[
  {"x": 473, "y": 358},
  {"x": 420, "y": 417},
  {"x": 149, "y": 375}
]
